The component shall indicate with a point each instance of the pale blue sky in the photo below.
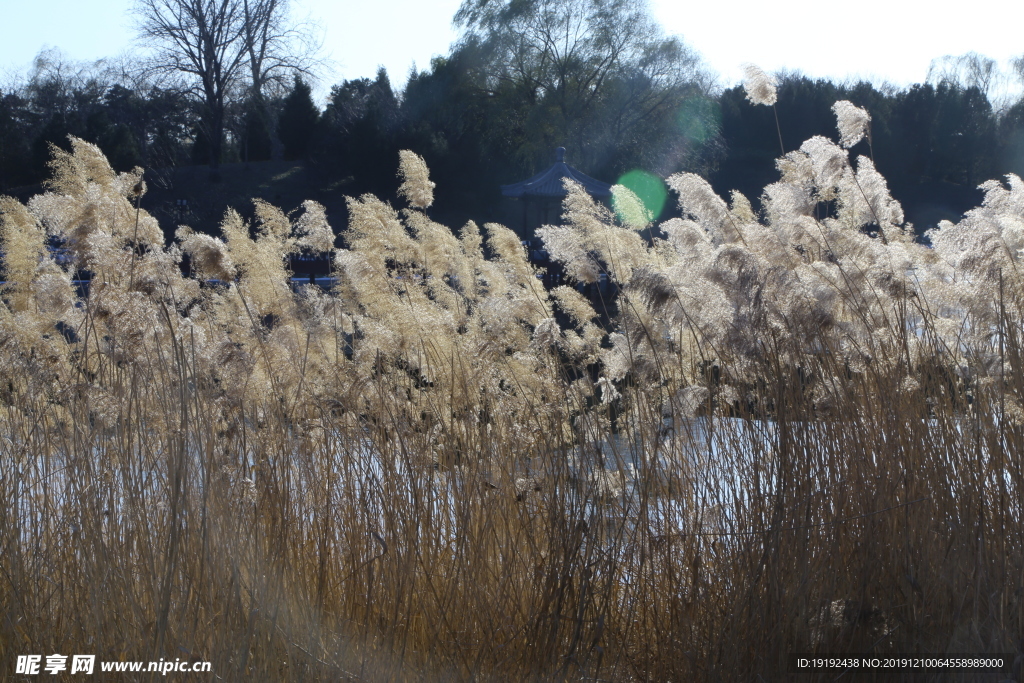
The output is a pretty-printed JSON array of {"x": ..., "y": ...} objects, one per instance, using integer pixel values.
[{"x": 882, "y": 40}]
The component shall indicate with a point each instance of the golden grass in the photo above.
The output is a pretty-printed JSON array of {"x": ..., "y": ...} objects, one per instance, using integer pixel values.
[{"x": 406, "y": 479}]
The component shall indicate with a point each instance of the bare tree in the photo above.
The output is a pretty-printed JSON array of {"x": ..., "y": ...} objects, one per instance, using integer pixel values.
[
  {"x": 571, "y": 48},
  {"x": 586, "y": 64},
  {"x": 969, "y": 70},
  {"x": 275, "y": 47},
  {"x": 203, "y": 40},
  {"x": 217, "y": 45}
]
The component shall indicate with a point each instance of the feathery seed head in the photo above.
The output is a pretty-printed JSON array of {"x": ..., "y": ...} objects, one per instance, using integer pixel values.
[
  {"x": 741, "y": 207},
  {"x": 546, "y": 333},
  {"x": 852, "y": 122},
  {"x": 271, "y": 221},
  {"x": 864, "y": 199},
  {"x": 313, "y": 231},
  {"x": 23, "y": 245},
  {"x": 796, "y": 169},
  {"x": 209, "y": 256},
  {"x": 472, "y": 241},
  {"x": 131, "y": 184},
  {"x": 574, "y": 304},
  {"x": 686, "y": 236},
  {"x": 760, "y": 86},
  {"x": 630, "y": 208},
  {"x": 697, "y": 198},
  {"x": 74, "y": 171},
  {"x": 566, "y": 245},
  {"x": 828, "y": 161},
  {"x": 416, "y": 185}
]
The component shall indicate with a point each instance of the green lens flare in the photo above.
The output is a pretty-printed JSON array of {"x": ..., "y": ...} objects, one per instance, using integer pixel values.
[
  {"x": 698, "y": 119},
  {"x": 649, "y": 188}
]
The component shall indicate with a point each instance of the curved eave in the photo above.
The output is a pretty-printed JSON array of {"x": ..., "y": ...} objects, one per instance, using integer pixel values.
[{"x": 550, "y": 183}]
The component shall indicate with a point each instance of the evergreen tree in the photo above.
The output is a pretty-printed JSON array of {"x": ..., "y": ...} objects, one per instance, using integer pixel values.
[
  {"x": 115, "y": 139},
  {"x": 255, "y": 143},
  {"x": 298, "y": 120},
  {"x": 15, "y": 145},
  {"x": 359, "y": 133},
  {"x": 1011, "y": 140}
]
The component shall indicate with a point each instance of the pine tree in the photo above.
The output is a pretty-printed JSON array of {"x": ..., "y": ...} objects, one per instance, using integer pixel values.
[{"x": 298, "y": 120}]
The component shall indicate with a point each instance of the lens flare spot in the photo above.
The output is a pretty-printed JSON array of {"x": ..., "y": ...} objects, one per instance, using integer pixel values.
[
  {"x": 698, "y": 119},
  {"x": 649, "y": 188}
]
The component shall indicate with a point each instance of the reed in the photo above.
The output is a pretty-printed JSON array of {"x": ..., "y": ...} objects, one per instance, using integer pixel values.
[{"x": 801, "y": 432}]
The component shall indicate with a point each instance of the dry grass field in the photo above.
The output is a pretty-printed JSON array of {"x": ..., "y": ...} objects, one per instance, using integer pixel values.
[{"x": 802, "y": 432}]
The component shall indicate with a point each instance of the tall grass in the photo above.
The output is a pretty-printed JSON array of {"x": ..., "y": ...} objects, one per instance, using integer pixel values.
[{"x": 802, "y": 433}]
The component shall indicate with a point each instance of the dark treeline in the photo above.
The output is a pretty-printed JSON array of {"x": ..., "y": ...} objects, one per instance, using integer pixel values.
[
  {"x": 135, "y": 124},
  {"x": 480, "y": 124}
]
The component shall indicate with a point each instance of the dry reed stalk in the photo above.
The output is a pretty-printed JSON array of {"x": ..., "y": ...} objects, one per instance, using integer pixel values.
[{"x": 791, "y": 443}]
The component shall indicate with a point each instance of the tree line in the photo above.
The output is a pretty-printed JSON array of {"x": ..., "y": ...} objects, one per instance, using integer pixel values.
[{"x": 597, "y": 77}]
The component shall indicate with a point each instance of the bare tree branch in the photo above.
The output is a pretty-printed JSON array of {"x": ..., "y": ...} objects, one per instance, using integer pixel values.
[{"x": 223, "y": 47}]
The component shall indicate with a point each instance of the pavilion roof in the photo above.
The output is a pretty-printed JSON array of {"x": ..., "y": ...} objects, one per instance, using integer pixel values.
[{"x": 549, "y": 182}]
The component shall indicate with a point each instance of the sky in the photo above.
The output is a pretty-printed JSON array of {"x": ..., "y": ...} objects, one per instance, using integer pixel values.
[{"x": 879, "y": 40}]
